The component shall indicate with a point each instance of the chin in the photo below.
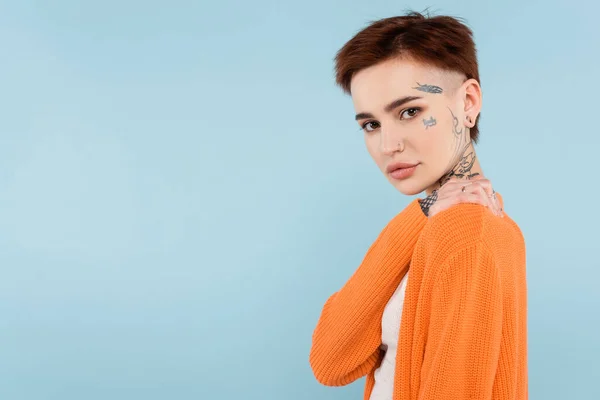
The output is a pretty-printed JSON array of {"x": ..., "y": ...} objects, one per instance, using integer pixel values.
[{"x": 409, "y": 187}]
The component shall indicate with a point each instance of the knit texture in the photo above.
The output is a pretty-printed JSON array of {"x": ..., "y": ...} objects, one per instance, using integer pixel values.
[{"x": 463, "y": 333}]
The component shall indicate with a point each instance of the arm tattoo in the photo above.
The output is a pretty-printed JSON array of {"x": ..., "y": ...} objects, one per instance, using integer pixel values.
[
  {"x": 429, "y": 88},
  {"x": 429, "y": 122}
]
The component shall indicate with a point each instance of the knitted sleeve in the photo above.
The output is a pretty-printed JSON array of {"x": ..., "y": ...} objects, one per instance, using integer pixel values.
[
  {"x": 465, "y": 328},
  {"x": 346, "y": 340}
]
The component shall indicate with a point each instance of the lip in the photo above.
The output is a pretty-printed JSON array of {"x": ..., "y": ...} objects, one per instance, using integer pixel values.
[
  {"x": 400, "y": 165},
  {"x": 403, "y": 173}
]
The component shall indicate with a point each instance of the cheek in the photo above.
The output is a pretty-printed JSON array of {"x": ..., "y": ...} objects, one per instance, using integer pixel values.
[
  {"x": 434, "y": 140},
  {"x": 428, "y": 140},
  {"x": 373, "y": 148}
]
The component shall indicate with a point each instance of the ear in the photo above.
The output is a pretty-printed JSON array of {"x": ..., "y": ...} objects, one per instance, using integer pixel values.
[{"x": 472, "y": 101}]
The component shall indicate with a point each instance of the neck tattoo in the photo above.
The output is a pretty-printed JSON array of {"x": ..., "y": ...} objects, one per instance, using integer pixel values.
[{"x": 464, "y": 159}]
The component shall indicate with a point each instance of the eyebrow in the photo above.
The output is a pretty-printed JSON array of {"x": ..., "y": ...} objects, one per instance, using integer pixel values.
[{"x": 390, "y": 107}]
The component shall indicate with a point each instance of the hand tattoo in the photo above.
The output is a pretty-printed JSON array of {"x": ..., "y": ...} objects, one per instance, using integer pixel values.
[{"x": 428, "y": 201}]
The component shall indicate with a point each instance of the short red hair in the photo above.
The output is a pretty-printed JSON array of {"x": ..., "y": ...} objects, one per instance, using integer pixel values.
[{"x": 440, "y": 41}]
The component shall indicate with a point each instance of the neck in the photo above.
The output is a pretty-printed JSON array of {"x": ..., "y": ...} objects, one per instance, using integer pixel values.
[{"x": 465, "y": 167}]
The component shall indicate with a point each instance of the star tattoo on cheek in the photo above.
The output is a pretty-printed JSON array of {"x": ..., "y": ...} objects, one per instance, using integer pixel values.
[{"x": 429, "y": 122}]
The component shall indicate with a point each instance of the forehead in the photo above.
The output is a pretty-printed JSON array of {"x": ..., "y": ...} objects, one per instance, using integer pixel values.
[{"x": 388, "y": 80}]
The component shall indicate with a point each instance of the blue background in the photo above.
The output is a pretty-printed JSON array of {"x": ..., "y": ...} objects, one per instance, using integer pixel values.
[{"x": 182, "y": 186}]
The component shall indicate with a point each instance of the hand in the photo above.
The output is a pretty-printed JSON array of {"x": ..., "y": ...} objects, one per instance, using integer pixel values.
[{"x": 478, "y": 190}]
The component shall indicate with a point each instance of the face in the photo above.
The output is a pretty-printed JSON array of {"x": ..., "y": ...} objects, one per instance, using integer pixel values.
[{"x": 418, "y": 115}]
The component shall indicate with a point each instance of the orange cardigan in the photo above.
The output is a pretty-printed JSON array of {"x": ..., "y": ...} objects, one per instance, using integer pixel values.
[{"x": 463, "y": 333}]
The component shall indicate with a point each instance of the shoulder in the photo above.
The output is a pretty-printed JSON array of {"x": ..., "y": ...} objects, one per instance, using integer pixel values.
[
  {"x": 465, "y": 226},
  {"x": 454, "y": 228}
]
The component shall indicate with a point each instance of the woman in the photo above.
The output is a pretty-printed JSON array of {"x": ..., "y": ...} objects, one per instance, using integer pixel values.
[{"x": 438, "y": 307}]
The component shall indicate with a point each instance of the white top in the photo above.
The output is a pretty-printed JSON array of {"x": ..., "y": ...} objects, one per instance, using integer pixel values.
[{"x": 390, "y": 332}]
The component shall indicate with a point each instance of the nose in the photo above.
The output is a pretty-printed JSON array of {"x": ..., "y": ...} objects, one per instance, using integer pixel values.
[{"x": 391, "y": 141}]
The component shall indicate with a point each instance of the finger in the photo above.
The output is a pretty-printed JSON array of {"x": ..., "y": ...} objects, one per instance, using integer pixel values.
[
  {"x": 486, "y": 184},
  {"x": 469, "y": 197},
  {"x": 460, "y": 186},
  {"x": 447, "y": 184},
  {"x": 491, "y": 195},
  {"x": 498, "y": 205},
  {"x": 452, "y": 189},
  {"x": 491, "y": 200},
  {"x": 476, "y": 194},
  {"x": 484, "y": 199},
  {"x": 475, "y": 191}
]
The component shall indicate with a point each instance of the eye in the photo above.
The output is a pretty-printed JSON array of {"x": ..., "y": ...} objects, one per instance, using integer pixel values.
[
  {"x": 374, "y": 125},
  {"x": 410, "y": 113}
]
